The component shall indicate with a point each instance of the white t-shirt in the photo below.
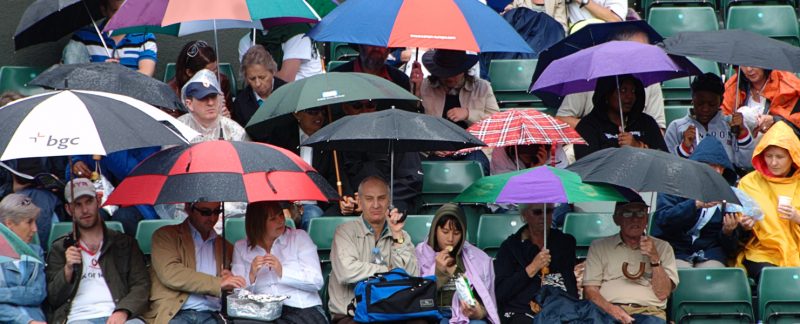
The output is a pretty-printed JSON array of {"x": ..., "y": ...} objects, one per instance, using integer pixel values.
[
  {"x": 93, "y": 299},
  {"x": 297, "y": 47},
  {"x": 576, "y": 13}
]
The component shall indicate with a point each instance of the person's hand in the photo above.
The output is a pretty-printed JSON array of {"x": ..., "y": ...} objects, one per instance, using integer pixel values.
[
  {"x": 472, "y": 312},
  {"x": 765, "y": 122},
  {"x": 541, "y": 260},
  {"x": 627, "y": 139},
  {"x": 620, "y": 314},
  {"x": 81, "y": 170},
  {"x": 258, "y": 262},
  {"x": 689, "y": 136},
  {"x": 348, "y": 205},
  {"x": 747, "y": 222},
  {"x": 118, "y": 317},
  {"x": 699, "y": 204},
  {"x": 445, "y": 263},
  {"x": 73, "y": 256},
  {"x": 458, "y": 114},
  {"x": 229, "y": 281},
  {"x": 729, "y": 223},
  {"x": 225, "y": 112},
  {"x": 648, "y": 249},
  {"x": 788, "y": 212},
  {"x": 37, "y": 322},
  {"x": 393, "y": 216},
  {"x": 440, "y": 153},
  {"x": 274, "y": 264},
  {"x": 737, "y": 119},
  {"x": 112, "y": 60},
  {"x": 416, "y": 76}
]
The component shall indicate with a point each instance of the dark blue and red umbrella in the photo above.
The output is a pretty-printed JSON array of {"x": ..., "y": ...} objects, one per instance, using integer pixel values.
[{"x": 222, "y": 171}]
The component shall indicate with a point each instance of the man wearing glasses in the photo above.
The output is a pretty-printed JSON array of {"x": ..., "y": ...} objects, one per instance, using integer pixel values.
[
  {"x": 94, "y": 275},
  {"x": 630, "y": 275},
  {"x": 189, "y": 274}
]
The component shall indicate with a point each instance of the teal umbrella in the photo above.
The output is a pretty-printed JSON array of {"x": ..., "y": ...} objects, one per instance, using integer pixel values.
[{"x": 322, "y": 90}]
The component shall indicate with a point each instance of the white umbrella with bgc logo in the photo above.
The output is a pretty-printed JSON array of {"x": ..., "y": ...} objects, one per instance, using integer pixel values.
[{"x": 73, "y": 122}]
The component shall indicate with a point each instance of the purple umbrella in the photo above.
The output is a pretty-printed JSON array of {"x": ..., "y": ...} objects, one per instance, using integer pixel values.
[{"x": 579, "y": 72}]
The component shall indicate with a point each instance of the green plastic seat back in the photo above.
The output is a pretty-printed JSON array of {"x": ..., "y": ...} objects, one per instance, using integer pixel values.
[
  {"x": 493, "y": 229},
  {"x": 511, "y": 75},
  {"x": 672, "y": 113},
  {"x": 586, "y": 227},
  {"x": 321, "y": 231},
  {"x": 145, "y": 230},
  {"x": 449, "y": 177},
  {"x": 235, "y": 229},
  {"x": 16, "y": 78},
  {"x": 669, "y": 21},
  {"x": 778, "y": 22},
  {"x": 719, "y": 295},
  {"x": 61, "y": 228},
  {"x": 779, "y": 295},
  {"x": 334, "y": 64},
  {"x": 418, "y": 227}
]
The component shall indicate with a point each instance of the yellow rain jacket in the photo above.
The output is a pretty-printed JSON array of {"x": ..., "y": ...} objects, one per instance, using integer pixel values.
[{"x": 775, "y": 240}]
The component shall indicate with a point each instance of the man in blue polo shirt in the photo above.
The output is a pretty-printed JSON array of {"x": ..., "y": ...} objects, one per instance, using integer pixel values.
[{"x": 137, "y": 51}]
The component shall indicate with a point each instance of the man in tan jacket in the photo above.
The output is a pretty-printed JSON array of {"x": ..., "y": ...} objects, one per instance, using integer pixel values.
[
  {"x": 188, "y": 276},
  {"x": 353, "y": 243}
]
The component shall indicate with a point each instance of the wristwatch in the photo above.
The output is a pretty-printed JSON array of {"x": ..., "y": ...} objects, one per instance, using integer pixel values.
[
  {"x": 584, "y": 3},
  {"x": 401, "y": 240},
  {"x": 657, "y": 264}
]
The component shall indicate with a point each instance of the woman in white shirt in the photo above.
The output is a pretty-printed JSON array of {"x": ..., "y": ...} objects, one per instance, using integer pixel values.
[{"x": 277, "y": 260}]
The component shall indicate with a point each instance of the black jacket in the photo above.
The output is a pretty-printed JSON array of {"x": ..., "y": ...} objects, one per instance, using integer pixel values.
[
  {"x": 600, "y": 132},
  {"x": 246, "y": 105},
  {"x": 513, "y": 288}
]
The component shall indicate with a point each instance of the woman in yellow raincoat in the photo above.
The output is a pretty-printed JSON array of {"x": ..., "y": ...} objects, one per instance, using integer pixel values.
[{"x": 776, "y": 238}]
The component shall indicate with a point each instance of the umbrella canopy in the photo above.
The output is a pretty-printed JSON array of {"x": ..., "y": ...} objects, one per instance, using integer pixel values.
[
  {"x": 392, "y": 130},
  {"x": 738, "y": 47},
  {"x": 325, "y": 89},
  {"x": 466, "y": 25},
  {"x": 579, "y": 72},
  {"x": 653, "y": 170},
  {"x": 109, "y": 77},
  {"x": 588, "y": 36},
  {"x": 183, "y": 17},
  {"x": 49, "y": 20},
  {"x": 249, "y": 172},
  {"x": 552, "y": 185},
  {"x": 523, "y": 127},
  {"x": 84, "y": 123}
]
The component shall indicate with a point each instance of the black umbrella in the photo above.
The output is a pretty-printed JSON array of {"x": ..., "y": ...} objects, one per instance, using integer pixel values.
[
  {"x": 109, "y": 77},
  {"x": 586, "y": 37},
  {"x": 392, "y": 130},
  {"x": 654, "y": 170},
  {"x": 737, "y": 47},
  {"x": 49, "y": 20}
]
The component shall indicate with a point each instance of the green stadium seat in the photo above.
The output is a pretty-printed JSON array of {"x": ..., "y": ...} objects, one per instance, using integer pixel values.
[
  {"x": 145, "y": 230},
  {"x": 511, "y": 80},
  {"x": 669, "y": 21},
  {"x": 679, "y": 91},
  {"x": 725, "y": 5},
  {"x": 647, "y": 6},
  {"x": 224, "y": 68},
  {"x": 16, "y": 78},
  {"x": 321, "y": 230},
  {"x": 778, "y": 22},
  {"x": 234, "y": 228},
  {"x": 779, "y": 295},
  {"x": 334, "y": 64},
  {"x": 586, "y": 227},
  {"x": 342, "y": 52},
  {"x": 443, "y": 180},
  {"x": 719, "y": 295},
  {"x": 493, "y": 229},
  {"x": 418, "y": 227},
  {"x": 59, "y": 229},
  {"x": 675, "y": 112}
]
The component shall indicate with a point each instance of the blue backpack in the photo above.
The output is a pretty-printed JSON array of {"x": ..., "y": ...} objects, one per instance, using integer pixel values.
[{"x": 395, "y": 296}]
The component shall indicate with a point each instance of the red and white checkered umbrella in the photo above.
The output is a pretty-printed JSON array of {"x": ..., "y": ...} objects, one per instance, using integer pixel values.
[{"x": 523, "y": 127}]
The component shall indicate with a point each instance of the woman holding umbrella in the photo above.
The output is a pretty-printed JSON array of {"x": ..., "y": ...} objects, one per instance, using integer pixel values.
[
  {"x": 522, "y": 259},
  {"x": 770, "y": 95},
  {"x": 618, "y": 101},
  {"x": 447, "y": 254},
  {"x": 773, "y": 185}
]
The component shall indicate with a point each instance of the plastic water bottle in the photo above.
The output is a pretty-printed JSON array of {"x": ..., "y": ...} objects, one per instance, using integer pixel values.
[{"x": 377, "y": 258}]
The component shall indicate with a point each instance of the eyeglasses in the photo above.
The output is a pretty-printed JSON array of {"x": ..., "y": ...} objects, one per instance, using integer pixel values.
[
  {"x": 365, "y": 104},
  {"x": 632, "y": 213},
  {"x": 207, "y": 212},
  {"x": 25, "y": 202}
]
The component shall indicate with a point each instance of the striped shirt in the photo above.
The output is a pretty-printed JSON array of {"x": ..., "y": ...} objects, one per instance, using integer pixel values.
[{"x": 130, "y": 49}]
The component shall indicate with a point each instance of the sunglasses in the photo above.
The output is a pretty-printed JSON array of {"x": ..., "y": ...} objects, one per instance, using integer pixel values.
[
  {"x": 25, "y": 202},
  {"x": 193, "y": 50},
  {"x": 366, "y": 104},
  {"x": 632, "y": 213},
  {"x": 207, "y": 212}
]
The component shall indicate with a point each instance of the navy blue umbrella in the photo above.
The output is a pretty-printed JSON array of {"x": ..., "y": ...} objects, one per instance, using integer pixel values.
[{"x": 586, "y": 37}]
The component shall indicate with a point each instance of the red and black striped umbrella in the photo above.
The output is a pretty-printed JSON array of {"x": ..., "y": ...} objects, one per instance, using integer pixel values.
[{"x": 221, "y": 171}]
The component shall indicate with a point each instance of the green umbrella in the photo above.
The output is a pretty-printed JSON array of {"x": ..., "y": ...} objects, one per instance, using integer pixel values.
[
  {"x": 325, "y": 89},
  {"x": 542, "y": 184}
]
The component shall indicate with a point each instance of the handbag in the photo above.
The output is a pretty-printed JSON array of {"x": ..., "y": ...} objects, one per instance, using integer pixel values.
[{"x": 395, "y": 296}]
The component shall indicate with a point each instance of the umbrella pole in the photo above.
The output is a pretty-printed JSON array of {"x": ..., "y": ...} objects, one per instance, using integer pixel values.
[
  {"x": 216, "y": 48},
  {"x": 735, "y": 137},
  {"x": 516, "y": 157},
  {"x": 224, "y": 299},
  {"x": 619, "y": 101},
  {"x": 391, "y": 174},
  {"x": 254, "y": 37},
  {"x": 102, "y": 40},
  {"x": 335, "y": 159}
]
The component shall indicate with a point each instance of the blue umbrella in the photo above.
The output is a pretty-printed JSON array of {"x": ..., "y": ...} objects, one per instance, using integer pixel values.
[
  {"x": 465, "y": 25},
  {"x": 591, "y": 35}
]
